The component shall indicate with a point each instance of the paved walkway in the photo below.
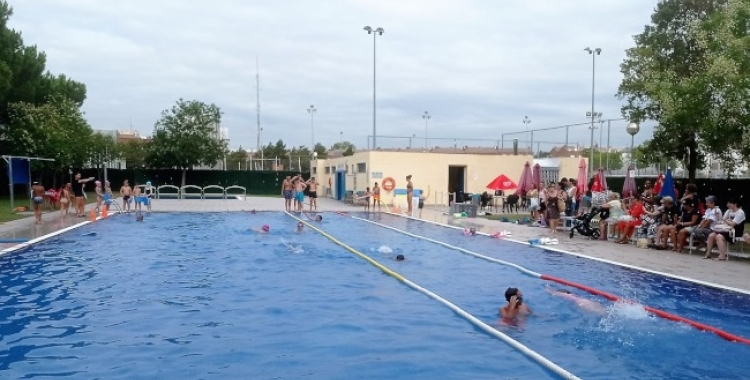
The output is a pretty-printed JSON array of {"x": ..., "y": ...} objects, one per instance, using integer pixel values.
[{"x": 734, "y": 273}]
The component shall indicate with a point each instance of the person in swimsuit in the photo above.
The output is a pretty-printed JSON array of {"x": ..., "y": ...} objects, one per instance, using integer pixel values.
[
  {"x": 366, "y": 197},
  {"x": 148, "y": 191},
  {"x": 313, "y": 185},
  {"x": 286, "y": 191},
  {"x": 126, "y": 193},
  {"x": 137, "y": 197},
  {"x": 409, "y": 194},
  {"x": 317, "y": 218},
  {"x": 37, "y": 195},
  {"x": 299, "y": 187},
  {"x": 99, "y": 195},
  {"x": 263, "y": 230},
  {"x": 65, "y": 200},
  {"x": 376, "y": 196},
  {"x": 107, "y": 194},
  {"x": 515, "y": 308},
  {"x": 78, "y": 186},
  {"x": 583, "y": 303}
]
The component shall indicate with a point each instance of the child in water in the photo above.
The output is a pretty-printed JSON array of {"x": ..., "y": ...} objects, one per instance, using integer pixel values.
[
  {"x": 263, "y": 230},
  {"x": 470, "y": 231},
  {"x": 300, "y": 226},
  {"x": 317, "y": 218}
]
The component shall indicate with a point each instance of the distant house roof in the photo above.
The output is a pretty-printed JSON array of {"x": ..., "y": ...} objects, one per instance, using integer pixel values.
[{"x": 460, "y": 150}]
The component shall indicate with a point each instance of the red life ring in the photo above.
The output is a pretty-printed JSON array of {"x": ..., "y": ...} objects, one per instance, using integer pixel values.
[{"x": 389, "y": 184}]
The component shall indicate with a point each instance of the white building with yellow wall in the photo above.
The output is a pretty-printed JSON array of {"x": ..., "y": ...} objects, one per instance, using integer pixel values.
[{"x": 437, "y": 172}]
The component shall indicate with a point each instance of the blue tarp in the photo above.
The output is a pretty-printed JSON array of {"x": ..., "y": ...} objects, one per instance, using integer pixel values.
[
  {"x": 667, "y": 188},
  {"x": 20, "y": 171}
]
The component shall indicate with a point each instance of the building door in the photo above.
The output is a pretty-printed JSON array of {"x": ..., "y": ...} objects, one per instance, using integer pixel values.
[
  {"x": 340, "y": 185},
  {"x": 457, "y": 181}
]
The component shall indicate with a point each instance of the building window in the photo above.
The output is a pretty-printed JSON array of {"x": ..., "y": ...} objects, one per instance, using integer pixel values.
[
  {"x": 328, "y": 170},
  {"x": 361, "y": 167},
  {"x": 315, "y": 170}
]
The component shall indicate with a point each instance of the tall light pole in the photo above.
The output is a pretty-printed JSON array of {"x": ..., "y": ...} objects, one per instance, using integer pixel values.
[
  {"x": 426, "y": 116},
  {"x": 526, "y": 122},
  {"x": 374, "y": 32},
  {"x": 592, "y": 114},
  {"x": 633, "y": 129},
  {"x": 312, "y": 111}
]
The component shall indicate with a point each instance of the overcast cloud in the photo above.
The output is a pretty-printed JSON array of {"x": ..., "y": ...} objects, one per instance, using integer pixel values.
[{"x": 478, "y": 67}]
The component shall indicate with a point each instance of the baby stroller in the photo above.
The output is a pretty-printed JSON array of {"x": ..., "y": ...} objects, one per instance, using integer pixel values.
[{"x": 582, "y": 224}]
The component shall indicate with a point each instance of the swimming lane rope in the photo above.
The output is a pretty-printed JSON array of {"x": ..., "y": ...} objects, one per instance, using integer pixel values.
[
  {"x": 660, "y": 313},
  {"x": 562, "y": 372}
]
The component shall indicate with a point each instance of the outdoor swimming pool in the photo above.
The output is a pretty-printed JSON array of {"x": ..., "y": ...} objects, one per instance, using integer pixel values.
[{"x": 199, "y": 296}]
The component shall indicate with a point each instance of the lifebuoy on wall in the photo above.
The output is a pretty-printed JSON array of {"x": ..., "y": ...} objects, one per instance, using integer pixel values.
[{"x": 389, "y": 184}]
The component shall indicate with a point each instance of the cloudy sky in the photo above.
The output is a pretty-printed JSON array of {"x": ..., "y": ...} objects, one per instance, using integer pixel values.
[{"x": 478, "y": 67}]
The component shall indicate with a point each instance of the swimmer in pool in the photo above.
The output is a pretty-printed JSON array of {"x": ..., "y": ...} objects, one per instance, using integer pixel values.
[
  {"x": 253, "y": 212},
  {"x": 583, "y": 303},
  {"x": 317, "y": 218},
  {"x": 263, "y": 230},
  {"x": 138, "y": 216},
  {"x": 400, "y": 257},
  {"x": 516, "y": 307},
  {"x": 300, "y": 226},
  {"x": 470, "y": 231}
]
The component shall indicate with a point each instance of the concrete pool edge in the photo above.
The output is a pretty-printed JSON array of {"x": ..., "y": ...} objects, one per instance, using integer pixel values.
[
  {"x": 606, "y": 261},
  {"x": 42, "y": 238}
]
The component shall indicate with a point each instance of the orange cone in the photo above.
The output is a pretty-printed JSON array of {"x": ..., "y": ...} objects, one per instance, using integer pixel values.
[
  {"x": 92, "y": 215},
  {"x": 105, "y": 213}
]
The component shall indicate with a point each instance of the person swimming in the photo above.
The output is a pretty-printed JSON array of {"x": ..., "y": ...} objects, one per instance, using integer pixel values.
[
  {"x": 300, "y": 226},
  {"x": 138, "y": 216},
  {"x": 470, "y": 231},
  {"x": 263, "y": 230},
  {"x": 583, "y": 303},
  {"x": 317, "y": 218},
  {"x": 515, "y": 307},
  {"x": 400, "y": 257}
]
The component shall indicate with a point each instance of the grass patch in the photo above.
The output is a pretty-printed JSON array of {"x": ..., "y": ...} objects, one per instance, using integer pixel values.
[{"x": 6, "y": 214}]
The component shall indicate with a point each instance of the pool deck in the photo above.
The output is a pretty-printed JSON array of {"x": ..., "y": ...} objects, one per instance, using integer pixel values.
[{"x": 734, "y": 273}]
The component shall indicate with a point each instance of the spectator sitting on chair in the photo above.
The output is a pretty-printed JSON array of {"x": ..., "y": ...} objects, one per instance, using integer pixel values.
[
  {"x": 688, "y": 220},
  {"x": 669, "y": 214},
  {"x": 616, "y": 210},
  {"x": 710, "y": 218},
  {"x": 734, "y": 218},
  {"x": 627, "y": 227}
]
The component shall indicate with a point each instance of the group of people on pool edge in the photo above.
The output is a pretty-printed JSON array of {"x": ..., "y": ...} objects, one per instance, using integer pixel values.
[
  {"x": 516, "y": 309},
  {"x": 74, "y": 193},
  {"x": 293, "y": 190}
]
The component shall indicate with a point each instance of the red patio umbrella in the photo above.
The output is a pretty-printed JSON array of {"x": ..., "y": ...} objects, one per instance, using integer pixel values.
[
  {"x": 582, "y": 186},
  {"x": 596, "y": 187},
  {"x": 502, "y": 182},
  {"x": 536, "y": 176},
  {"x": 526, "y": 183},
  {"x": 628, "y": 188},
  {"x": 602, "y": 179},
  {"x": 659, "y": 182}
]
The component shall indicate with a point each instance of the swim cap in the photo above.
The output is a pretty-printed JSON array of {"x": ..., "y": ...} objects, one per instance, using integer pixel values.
[
  {"x": 400, "y": 257},
  {"x": 510, "y": 293},
  {"x": 266, "y": 227}
]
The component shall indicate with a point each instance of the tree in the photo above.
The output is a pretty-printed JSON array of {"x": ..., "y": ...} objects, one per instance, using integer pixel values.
[
  {"x": 320, "y": 149},
  {"x": 54, "y": 130},
  {"x": 664, "y": 80},
  {"x": 237, "y": 159},
  {"x": 344, "y": 146},
  {"x": 134, "y": 152},
  {"x": 185, "y": 136},
  {"x": 611, "y": 160}
]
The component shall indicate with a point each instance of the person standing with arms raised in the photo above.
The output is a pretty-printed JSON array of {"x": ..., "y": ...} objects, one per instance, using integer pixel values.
[
  {"x": 78, "y": 185},
  {"x": 409, "y": 194}
]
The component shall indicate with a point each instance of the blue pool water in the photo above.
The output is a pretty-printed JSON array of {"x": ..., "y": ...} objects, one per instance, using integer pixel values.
[
  {"x": 626, "y": 343},
  {"x": 197, "y": 296}
]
